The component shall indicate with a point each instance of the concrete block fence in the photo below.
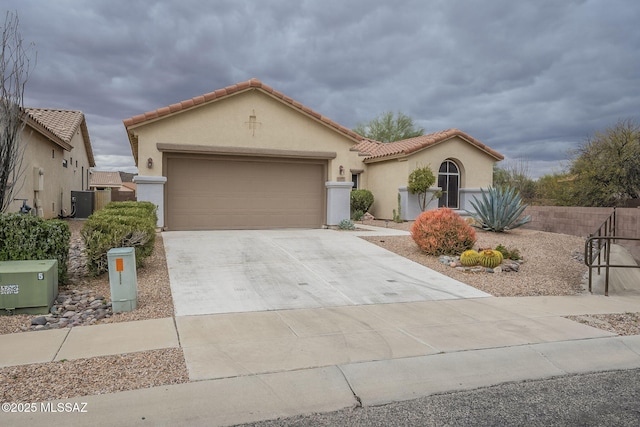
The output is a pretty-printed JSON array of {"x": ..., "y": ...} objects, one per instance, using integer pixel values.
[{"x": 581, "y": 221}]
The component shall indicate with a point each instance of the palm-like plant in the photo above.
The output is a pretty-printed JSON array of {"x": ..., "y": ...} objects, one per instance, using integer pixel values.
[{"x": 499, "y": 210}]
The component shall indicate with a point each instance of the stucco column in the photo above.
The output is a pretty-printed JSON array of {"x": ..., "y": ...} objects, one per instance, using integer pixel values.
[
  {"x": 338, "y": 201},
  {"x": 151, "y": 189},
  {"x": 410, "y": 206}
]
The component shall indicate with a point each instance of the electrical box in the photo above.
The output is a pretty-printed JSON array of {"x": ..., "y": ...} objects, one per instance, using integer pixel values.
[
  {"x": 84, "y": 201},
  {"x": 28, "y": 287},
  {"x": 123, "y": 279}
]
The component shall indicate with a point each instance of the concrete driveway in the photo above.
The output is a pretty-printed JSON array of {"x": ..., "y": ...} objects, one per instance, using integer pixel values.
[{"x": 257, "y": 270}]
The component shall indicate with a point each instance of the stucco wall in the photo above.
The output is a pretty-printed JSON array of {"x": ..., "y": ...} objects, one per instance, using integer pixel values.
[
  {"x": 384, "y": 180},
  {"x": 228, "y": 123},
  {"x": 58, "y": 181}
]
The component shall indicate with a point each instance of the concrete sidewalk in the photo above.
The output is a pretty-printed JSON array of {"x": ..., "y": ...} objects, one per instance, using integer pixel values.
[{"x": 251, "y": 366}]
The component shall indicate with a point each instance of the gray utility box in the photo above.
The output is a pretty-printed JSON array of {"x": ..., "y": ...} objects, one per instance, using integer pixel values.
[
  {"x": 84, "y": 203},
  {"x": 28, "y": 286},
  {"x": 123, "y": 279}
]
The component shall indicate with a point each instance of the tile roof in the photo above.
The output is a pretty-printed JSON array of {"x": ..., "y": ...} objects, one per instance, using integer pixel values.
[
  {"x": 380, "y": 150},
  {"x": 368, "y": 148},
  {"x": 105, "y": 179},
  {"x": 62, "y": 124},
  {"x": 234, "y": 89}
]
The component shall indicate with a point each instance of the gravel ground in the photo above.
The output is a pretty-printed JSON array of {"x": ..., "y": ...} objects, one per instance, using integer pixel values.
[
  {"x": 552, "y": 262},
  {"x": 99, "y": 375},
  {"x": 551, "y": 267}
]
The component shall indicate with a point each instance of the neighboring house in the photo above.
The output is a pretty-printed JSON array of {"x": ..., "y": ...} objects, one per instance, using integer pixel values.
[
  {"x": 57, "y": 159},
  {"x": 247, "y": 156},
  {"x": 102, "y": 180}
]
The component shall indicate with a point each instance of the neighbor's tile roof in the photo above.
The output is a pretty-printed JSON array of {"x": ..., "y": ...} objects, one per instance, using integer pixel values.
[
  {"x": 105, "y": 179},
  {"x": 62, "y": 124},
  {"x": 229, "y": 90},
  {"x": 379, "y": 150}
]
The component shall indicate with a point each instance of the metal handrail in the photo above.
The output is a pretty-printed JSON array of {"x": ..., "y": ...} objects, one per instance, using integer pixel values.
[{"x": 590, "y": 256}]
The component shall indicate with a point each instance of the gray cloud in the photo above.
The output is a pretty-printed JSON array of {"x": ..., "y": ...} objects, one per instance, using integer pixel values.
[{"x": 531, "y": 79}]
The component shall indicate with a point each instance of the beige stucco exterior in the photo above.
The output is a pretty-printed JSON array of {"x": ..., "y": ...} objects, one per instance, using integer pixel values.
[
  {"x": 386, "y": 176},
  {"x": 251, "y": 119},
  {"x": 229, "y": 123},
  {"x": 46, "y": 182}
]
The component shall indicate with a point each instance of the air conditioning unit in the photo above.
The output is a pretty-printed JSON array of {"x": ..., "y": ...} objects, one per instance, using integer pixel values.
[{"x": 28, "y": 287}]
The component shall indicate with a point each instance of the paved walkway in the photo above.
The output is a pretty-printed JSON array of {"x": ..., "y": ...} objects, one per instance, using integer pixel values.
[{"x": 252, "y": 366}]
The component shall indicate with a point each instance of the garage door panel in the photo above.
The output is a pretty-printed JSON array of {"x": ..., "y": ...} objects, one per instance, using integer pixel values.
[{"x": 218, "y": 193}]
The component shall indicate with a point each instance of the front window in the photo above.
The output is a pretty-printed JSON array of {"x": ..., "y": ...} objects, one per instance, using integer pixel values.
[
  {"x": 355, "y": 177},
  {"x": 449, "y": 181}
]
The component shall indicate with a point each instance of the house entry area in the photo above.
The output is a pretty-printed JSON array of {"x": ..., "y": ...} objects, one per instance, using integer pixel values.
[{"x": 236, "y": 192}]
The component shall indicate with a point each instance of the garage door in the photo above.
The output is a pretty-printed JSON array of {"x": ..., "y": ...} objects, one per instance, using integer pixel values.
[{"x": 244, "y": 193}]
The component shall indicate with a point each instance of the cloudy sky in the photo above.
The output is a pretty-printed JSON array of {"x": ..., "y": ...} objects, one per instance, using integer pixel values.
[{"x": 530, "y": 78}]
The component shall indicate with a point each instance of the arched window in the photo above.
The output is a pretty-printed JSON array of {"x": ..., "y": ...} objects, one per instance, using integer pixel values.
[{"x": 449, "y": 181}]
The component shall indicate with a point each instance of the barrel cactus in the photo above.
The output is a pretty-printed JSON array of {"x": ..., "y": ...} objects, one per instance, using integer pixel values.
[
  {"x": 490, "y": 258},
  {"x": 469, "y": 258}
]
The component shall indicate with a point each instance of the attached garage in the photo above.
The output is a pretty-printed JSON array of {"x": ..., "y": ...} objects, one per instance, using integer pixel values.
[
  {"x": 249, "y": 157},
  {"x": 238, "y": 192}
]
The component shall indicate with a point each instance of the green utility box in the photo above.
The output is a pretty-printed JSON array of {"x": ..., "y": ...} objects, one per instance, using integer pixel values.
[
  {"x": 123, "y": 279},
  {"x": 28, "y": 287}
]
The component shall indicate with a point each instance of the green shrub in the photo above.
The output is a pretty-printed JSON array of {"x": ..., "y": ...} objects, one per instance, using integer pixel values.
[
  {"x": 508, "y": 253},
  {"x": 357, "y": 215},
  {"x": 119, "y": 225},
  {"x": 361, "y": 200},
  {"x": 346, "y": 224},
  {"x": 499, "y": 210},
  {"x": 26, "y": 237},
  {"x": 442, "y": 232}
]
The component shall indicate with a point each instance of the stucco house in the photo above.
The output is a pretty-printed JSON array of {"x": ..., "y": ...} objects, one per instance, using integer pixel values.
[
  {"x": 101, "y": 180},
  {"x": 57, "y": 158},
  {"x": 248, "y": 156}
]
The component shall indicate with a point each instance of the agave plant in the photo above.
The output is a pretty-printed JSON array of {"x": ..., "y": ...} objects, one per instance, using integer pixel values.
[{"x": 499, "y": 210}]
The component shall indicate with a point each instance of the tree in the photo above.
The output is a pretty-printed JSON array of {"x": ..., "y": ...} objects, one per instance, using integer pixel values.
[
  {"x": 515, "y": 174},
  {"x": 420, "y": 181},
  {"x": 387, "y": 128},
  {"x": 607, "y": 166},
  {"x": 555, "y": 189},
  {"x": 15, "y": 66}
]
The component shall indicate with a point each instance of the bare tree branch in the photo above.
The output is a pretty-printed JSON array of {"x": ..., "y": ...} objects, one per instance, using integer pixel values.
[{"x": 15, "y": 66}]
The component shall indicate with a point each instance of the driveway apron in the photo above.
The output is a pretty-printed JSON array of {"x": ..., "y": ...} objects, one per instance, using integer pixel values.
[{"x": 258, "y": 270}]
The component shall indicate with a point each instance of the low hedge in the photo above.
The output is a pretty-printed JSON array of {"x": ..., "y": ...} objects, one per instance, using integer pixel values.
[
  {"x": 27, "y": 237},
  {"x": 119, "y": 225}
]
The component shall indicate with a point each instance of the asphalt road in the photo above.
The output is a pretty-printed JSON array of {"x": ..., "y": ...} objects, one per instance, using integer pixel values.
[{"x": 598, "y": 399}]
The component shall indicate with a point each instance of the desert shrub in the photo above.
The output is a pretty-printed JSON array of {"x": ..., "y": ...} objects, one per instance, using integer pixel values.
[
  {"x": 361, "y": 200},
  {"x": 442, "y": 232},
  {"x": 119, "y": 225},
  {"x": 26, "y": 237},
  {"x": 509, "y": 253},
  {"x": 500, "y": 209},
  {"x": 346, "y": 224},
  {"x": 357, "y": 215}
]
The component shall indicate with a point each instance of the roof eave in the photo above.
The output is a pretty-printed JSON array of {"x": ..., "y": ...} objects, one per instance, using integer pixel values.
[{"x": 47, "y": 133}]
